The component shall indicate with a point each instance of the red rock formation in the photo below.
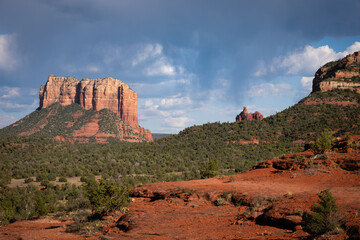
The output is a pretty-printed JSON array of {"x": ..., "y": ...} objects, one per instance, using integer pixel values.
[
  {"x": 94, "y": 94},
  {"x": 341, "y": 74},
  {"x": 244, "y": 115}
]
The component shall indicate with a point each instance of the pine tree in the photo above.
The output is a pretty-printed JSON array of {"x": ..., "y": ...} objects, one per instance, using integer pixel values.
[{"x": 325, "y": 217}]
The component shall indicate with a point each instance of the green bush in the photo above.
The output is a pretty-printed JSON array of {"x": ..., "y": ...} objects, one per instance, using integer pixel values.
[
  {"x": 28, "y": 180},
  {"x": 62, "y": 179},
  {"x": 325, "y": 217},
  {"x": 323, "y": 142},
  {"x": 106, "y": 196},
  {"x": 211, "y": 170}
]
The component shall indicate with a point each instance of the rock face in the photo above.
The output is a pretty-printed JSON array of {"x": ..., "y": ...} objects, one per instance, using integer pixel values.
[
  {"x": 341, "y": 74},
  {"x": 95, "y": 94},
  {"x": 244, "y": 115}
]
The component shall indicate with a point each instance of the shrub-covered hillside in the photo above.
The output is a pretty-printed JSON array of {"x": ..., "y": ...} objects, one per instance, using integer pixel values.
[
  {"x": 237, "y": 146},
  {"x": 73, "y": 123}
]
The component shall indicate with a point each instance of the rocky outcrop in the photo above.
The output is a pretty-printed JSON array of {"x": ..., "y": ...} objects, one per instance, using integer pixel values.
[
  {"x": 244, "y": 115},
  {"x": 341, "y": 74},
  {"x": 95, "y": 94}
]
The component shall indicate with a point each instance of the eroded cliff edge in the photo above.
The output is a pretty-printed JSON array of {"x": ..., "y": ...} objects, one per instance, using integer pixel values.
[
  {"x": 341, "y": 74},
  {"x": 95, "y": 94}
]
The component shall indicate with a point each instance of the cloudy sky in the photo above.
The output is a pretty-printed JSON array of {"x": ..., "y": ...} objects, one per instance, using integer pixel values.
[{"x": 190, "y": 61}]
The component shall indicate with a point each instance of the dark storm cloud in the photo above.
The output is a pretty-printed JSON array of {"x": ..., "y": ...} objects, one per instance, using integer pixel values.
[{"x": 227, "y": 35}]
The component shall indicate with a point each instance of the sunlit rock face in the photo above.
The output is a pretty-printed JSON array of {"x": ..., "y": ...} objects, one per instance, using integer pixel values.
[
  {"x": 341, "y": 74},
  {"x": 96, "y": 94}
]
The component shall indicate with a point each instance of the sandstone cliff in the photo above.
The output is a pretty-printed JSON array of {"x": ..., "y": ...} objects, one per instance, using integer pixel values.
[
  {"x": 341, "y": 74},
  {"x": 244, "y": 115},
  {"x": 94, "y": 94}
]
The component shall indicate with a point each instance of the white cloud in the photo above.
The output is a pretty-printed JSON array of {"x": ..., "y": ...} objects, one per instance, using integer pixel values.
[
  {"x": 8, "y": 55},
  {"x": 353, "y": 48},
  {"x": 146, "y": 52},
  {"x": 11, "y": 106},
  {"x": 175, "y": 102},
  {"x": 305, "y": 61},
  {"x": 9, "y": 92},
  {"x": 163, "y": 88},
  {"x": 148, "y": 103},
  {"x": 176, "y": 122},
  {"x": 306, "y": 82},
  {"x": 154, "y": 62},
  {"x": 160, "y": 67},
  {"x": 269, "y": 89},
  {"x": 261, "y": 69}
]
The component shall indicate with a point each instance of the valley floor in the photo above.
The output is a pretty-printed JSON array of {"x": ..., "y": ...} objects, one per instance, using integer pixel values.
[{"x": 265, "y": 203}]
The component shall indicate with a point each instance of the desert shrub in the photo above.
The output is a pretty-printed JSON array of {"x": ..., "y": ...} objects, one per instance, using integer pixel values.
[
  {"x": 28, "y": 180},
  {"x": 84, "y": 179},
  {"x": 51, "y": 177},
  {"x": 325, "y": 217},
  {"x": 323, "y": 142},
  {"x": 220, "y": 201},
  {"x": 106, "y": 196},
  {"x": 62, "y": 179},
  {"x": 41, "y": 177},
  {"x": 211, "y": 169}
]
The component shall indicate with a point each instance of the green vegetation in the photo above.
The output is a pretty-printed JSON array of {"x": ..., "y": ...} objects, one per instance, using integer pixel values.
[
  {"x": 57, "y": 120},
  {"x": 325, "y": 217},
  {"x": 105, "y": 196},
  {"x": 27, "y": 202},
  {"x": 211, "y": 170},
  {"x": 185, "y": 155},
  {"x": 198, "y": 151},
  {"x": 323, "y": 142}
]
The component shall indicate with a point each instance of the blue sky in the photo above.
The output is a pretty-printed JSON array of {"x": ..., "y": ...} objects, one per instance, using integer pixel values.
[{"x": 191, "y": 62}]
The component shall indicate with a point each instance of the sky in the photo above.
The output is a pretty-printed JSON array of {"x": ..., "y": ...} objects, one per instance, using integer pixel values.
[{"x": 190, "y": 61}]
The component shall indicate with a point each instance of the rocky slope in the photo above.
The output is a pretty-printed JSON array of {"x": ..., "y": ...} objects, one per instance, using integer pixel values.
[
  {"x": 88, "y": 110},
  {"x": 245, "y": 116},
  {"x": 341, "y": 74}
]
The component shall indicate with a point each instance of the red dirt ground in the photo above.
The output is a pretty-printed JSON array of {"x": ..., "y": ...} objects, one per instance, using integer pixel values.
[{"x": 265, "y": 203}]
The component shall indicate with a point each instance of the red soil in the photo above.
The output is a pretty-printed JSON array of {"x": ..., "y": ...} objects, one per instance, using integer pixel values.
[
  {"x": 45, "y": 228},
  {"x": 265, "y": 203}
]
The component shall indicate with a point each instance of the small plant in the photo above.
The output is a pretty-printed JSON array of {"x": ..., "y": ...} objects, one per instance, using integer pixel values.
[
  {"x": 289, "y": 194},
  {"x": 299, "y": 158},
  {"x": 28, "y": 180},
  {"x": 220, "y": 201},
  {"x": 227, "y": 196},
  {"x": 62, "y": 179},
  {"x": 299, "y": 212},
  {"x": 325, "y": 217},
  {"x": 274, "y": 199}
]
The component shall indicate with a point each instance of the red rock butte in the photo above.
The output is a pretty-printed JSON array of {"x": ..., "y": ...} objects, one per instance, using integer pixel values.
[
  {"x": 341, "y": 74},
  {"x": 244, "y": 115},
  {"x": 96, "y": 94}
]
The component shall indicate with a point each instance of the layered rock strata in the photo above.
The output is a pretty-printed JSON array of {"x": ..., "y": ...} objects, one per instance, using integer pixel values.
[
  {"x": 244, "y": 115},
  {"x": 341, "y": 74},
  {"x": 96, "y": 94}
]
